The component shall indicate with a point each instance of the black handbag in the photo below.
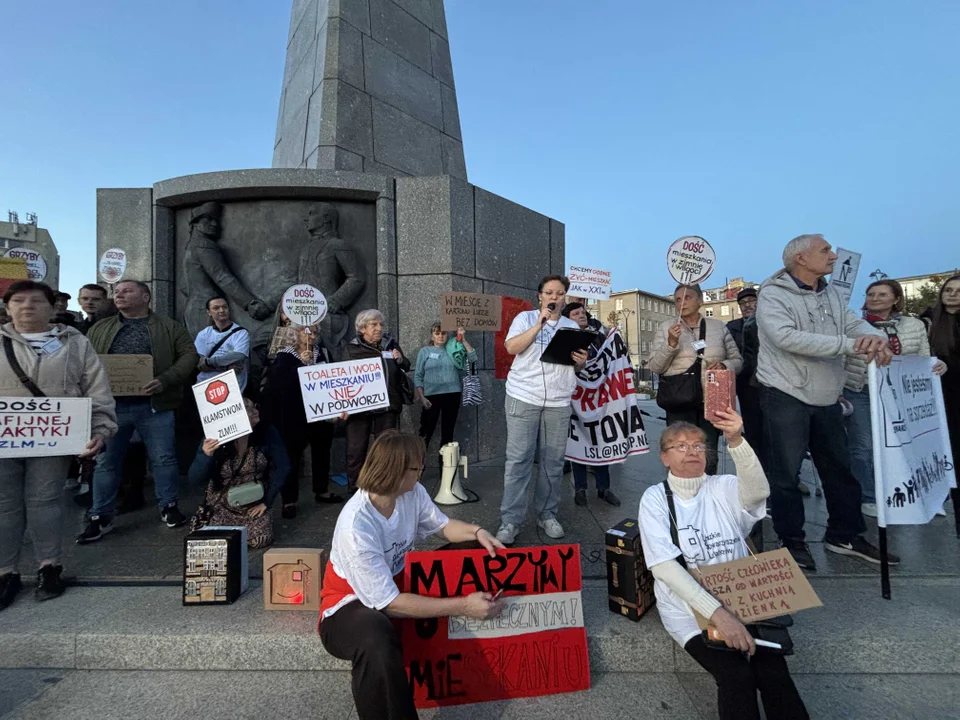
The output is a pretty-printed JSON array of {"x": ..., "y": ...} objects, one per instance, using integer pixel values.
[
  {"x": 684, "y": 391},
  {"x": 406, "y": 388}
]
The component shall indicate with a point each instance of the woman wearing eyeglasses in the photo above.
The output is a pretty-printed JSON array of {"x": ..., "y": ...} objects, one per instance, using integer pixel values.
[
  {"x": 375, "y": 530},
  {"x": 710, "y": 517}
]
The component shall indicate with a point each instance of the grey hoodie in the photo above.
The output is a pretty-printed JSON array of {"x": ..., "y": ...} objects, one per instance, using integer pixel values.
[{"x": 804, "y": 337}]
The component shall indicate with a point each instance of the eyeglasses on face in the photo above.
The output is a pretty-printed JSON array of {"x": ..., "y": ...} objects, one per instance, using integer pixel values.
[{"x": 699, "y": 449}]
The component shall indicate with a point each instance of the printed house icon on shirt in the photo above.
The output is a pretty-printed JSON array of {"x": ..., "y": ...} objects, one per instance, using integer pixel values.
[{"x": 292, "y": 578}]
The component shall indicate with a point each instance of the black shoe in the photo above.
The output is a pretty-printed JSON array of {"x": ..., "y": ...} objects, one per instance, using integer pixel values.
[
  {"x": 801, "y": 554},
  {"x": 9, "y": 587},
  {"x": 49, "y": 583},
  {"x": 172, "y": 516},
  {"x": 580, "y": 498},
  {"x": 859, "y": 547},
  {"x": 130, "y": 503},
  {"x": 96, "y": 528},
  {"x": 328, "y": 499},
  {"x": 84, "y": 499},
  {"x": 608, "y": 496},
  {"x": 289, "y": 512}
]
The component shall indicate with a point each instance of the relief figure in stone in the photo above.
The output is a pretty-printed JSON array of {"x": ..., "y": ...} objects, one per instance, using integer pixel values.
[
  {"x": 333, "y": 266},
  {"x": 205, "y": 271}
]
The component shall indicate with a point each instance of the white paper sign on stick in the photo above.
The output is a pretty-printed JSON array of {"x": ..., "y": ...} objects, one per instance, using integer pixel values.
[
  {"x": 304, "y": 305},
  {"x": 113, "y": 264},
  {"x": 354, "y": 386},
  {"x": 221, "y": 407},
  {"x": 691, "y": 260},
  {"x": 845, "y": 270},
  {"x": 43, "y": 427},
  {"x": 36, "y": 264},
  {"x": 589, "y": 283}
]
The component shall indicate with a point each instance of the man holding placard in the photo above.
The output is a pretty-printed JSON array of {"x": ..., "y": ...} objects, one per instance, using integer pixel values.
[
  {"x": 137, "y": 330},
  {"x": 44, "y": 370}
]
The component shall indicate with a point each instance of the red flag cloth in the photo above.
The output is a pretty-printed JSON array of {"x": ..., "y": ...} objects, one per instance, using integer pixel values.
[{"x": 509, "y": 309}]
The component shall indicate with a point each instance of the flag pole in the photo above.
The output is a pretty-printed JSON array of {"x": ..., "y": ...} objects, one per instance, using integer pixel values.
[
  {"x": 884, "y": 565},
  {"x": 955, "y": 494}
]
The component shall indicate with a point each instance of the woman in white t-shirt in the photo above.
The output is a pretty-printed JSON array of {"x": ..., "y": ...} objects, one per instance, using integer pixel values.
[
  {"x": 375, "y": 530},
  {"x": 714, "y": 513},
  {"x": 537, "y": 406}
]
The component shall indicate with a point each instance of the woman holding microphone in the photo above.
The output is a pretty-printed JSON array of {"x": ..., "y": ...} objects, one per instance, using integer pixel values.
[{"x": 537, "y": 405}]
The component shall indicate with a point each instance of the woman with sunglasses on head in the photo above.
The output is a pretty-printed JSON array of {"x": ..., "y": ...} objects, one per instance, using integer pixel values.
[
  {"x": 360, "y": 594},
  {"x": 906, "y": 336},
  {"x": 710, "y": 517},
  {"x": 233, "y": 471}
]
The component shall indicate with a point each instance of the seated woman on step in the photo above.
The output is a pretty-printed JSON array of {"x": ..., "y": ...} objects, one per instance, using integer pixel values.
[
  {"x": 376, "y": 528},
  {"x": 709, "y": 516}
]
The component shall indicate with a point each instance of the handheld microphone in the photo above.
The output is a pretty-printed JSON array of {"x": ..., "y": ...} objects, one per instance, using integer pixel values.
[{"x": 551, "y": 307}]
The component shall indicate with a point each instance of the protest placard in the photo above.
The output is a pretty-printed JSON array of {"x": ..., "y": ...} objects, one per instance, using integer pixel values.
[
  {"x": 222, "y": 412},
  {"x": 912, "y": 458},
  {"x": 474, "y": 311},
  {"x": 128, "y": 373},
  {"x": 690, "y": 260},
  {"x": 759, "y": 587},
  {"x": 536, "y": 646},
  {"x": 113, "y": 264},
  {"x": 351, "y": 387},
  {"x": 606, "y": 426},
  {"x": 845, "y": 269},
  {"x": 304, "y": 305},
  {"x": 36, "y": 263},
  {"x": 43, "y": 427},
  {"x": 588, "y": 282}
]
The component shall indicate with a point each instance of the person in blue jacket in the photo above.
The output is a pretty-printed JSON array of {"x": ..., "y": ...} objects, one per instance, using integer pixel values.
[{"x": 438, "y": 380}]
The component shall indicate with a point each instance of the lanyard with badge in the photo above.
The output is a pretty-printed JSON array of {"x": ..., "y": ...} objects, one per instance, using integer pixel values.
[{"x": 51, "y": 346}]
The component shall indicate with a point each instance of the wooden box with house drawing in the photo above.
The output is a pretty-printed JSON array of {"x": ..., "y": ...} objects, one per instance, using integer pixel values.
[{"x": 292, "y": 578}]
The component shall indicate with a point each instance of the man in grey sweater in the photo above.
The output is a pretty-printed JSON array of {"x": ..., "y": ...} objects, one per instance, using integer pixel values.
[{"x": 806, "y": 330}]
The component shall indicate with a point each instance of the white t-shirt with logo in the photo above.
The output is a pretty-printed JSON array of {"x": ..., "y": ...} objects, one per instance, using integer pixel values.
[
  {"x": 369, "y": 550},
  {"x": 710, "y": 526},
  {"x": 535, "y": 382}
]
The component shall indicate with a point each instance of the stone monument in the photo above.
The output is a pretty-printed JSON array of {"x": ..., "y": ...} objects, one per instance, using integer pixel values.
[{"x": 368, "y": 200}]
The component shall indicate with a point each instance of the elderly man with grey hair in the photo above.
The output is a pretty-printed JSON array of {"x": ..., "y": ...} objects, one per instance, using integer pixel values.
[
  {"x": 372, "y": 342},
  {"x": 806, "y": 330}
]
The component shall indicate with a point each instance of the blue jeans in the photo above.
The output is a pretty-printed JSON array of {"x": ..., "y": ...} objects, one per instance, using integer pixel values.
[
  {"x": 157, "y": 431},
  {"x": 525, "y": 423},
  {"x": 600, "y": 472},
  {"x": 860, "y": 442}
]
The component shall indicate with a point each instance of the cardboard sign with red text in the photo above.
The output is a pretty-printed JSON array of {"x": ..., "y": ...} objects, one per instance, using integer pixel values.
[
  {"x": 222, "y": 412},
  {"x": 759, "y": 587},
  {"x": 537, "y": 645}
]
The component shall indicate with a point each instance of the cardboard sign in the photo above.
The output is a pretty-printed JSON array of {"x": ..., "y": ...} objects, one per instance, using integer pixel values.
[
  {"x": 606, "y": 426},
  {"x": 588, "y": 282},
  {"x": 128, "y": 373},
  {"x": 43, "y": 427},
  {"x": 221, "y": 407},
  {"x": 720, "y": 392},
  {"x": 502, "y": 359},
  {"x": 758, "y": 587},
  {"x": 36, "y": 264},
  {"x": 474, "y": 311},
  {"x": 537, "y": 645},
  {"x": 845, "y": 271},
  {"x": 292, "y": 578},
  {"x": 691, "y": 260},
  {"x": 354, "y": 386},
  {"x": 912, "y": 457},
  {"x": 304, "y": 305},
  {"x": 113, "y": 264}
]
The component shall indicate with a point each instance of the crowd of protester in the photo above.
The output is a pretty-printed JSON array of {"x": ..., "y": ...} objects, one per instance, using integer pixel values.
[{"x": 799, "y": 352}]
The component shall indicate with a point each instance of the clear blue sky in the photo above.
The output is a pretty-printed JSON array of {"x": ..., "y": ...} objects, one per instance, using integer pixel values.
[{"x": 632, "y": 122}]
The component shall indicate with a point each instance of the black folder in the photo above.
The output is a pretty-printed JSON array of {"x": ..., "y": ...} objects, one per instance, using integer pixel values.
[{"x": 566, "y": 341}]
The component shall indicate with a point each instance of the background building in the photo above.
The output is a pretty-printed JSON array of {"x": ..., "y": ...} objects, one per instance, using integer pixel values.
[
  {"x": 639, "y": 315},
  {"x": 33, "y": 244},
  {"x": 721, "y": 302}
]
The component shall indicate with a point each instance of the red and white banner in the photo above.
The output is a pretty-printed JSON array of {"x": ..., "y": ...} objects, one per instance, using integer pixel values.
[
  {"x": 537, "y": 645},
  {"x": 606, "y": 426}
]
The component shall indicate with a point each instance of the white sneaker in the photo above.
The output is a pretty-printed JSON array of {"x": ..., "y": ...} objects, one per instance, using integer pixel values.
[
  {"x": 552, "y": 528},
  {"x": 869, "y": 509},
  {"x": 942, "y": 512},
  {"x": 508, "y": 533}
]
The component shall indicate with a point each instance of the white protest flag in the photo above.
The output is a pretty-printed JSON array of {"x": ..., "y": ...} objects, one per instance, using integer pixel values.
[
  {"x": 606, "y": 426},
  {"x": 912, "y": 462},
  {"x": 43, "y": 427},
  {"x": 845, "y": 270},
  {"x": 354, "y": 386}
]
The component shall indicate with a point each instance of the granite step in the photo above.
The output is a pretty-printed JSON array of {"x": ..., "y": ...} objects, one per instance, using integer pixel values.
[{"x": 146, "y": 628}]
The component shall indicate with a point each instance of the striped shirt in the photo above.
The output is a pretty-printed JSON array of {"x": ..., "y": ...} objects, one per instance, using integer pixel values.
[{"x": 38, "y": 340}]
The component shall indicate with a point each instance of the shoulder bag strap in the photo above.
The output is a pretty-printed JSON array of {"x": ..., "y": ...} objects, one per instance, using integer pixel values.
[
  {"x": 673, "y": 523},
  {"x": 223, "y": 340},
  {"x": 18, "y": 371}
]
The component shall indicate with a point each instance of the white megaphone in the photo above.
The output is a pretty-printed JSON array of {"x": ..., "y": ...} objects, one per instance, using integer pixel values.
[{"x": 451, "y": 491}]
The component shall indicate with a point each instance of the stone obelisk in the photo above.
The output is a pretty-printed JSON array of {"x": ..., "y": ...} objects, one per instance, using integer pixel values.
[{"x": 368, "y": 87}]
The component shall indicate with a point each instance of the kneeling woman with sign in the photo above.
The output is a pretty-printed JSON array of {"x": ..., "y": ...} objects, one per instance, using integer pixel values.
[
  {"x": 376, "y": 528},
  {"x": 713, "y": 513}
]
